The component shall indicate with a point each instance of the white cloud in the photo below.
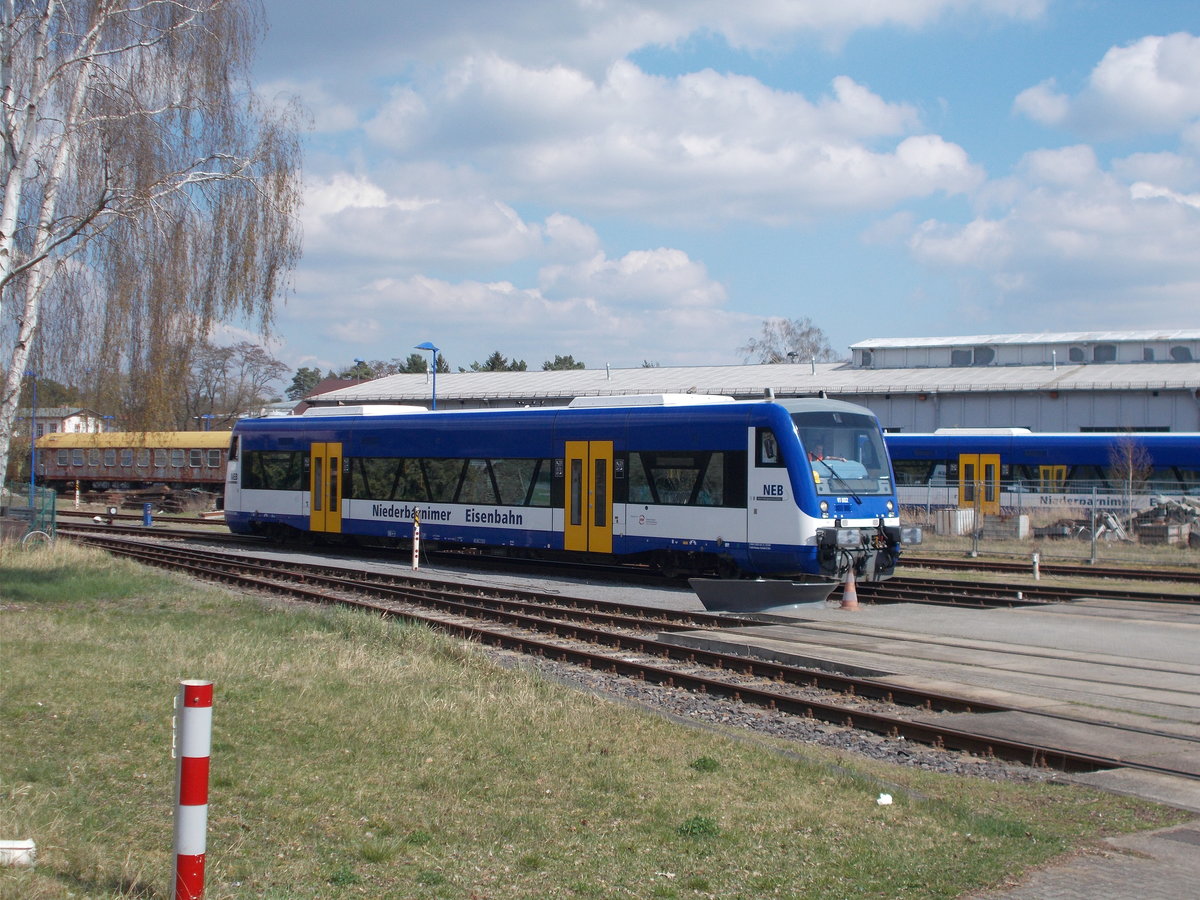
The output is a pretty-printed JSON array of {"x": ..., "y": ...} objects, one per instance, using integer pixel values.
[
  {"x": 662, "y": 278},
  {"x": 591, "y": 319},
  {"x": 329, "y": 115},
  {"x": 1077, "y": 241},
  {"x": 639, "y": 143},
  {"x": 355, "y": 219},
  {"x": 1149, "y": 86}
]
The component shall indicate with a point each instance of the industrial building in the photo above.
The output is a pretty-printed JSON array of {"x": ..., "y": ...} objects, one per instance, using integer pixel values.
[{"x": 1050, "y": 382}]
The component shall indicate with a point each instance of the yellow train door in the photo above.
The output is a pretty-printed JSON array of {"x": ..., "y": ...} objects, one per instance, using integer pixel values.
[
  {"x": 979, "y": 482},
  {"x": 588, "y": 519},
  {"x": 1052, "y": 479},
  {"x": 325, "y": 488}
]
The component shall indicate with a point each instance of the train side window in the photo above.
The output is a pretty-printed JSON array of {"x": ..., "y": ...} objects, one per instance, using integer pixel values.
[
  {"x": 540, "y": 491},
  {"x": 478, "y": 486},
  {"x": 639, "y": 484},
  {"x": 77, "y": 458},
  {"x": 62, "y": 457},
  {"x": 177, "y": 458},
  {"x": 767, "y": 448},
  {"x": 94, "y": 457},
  {"x": 442, "y": 478},
  {"x": 517, "y": 481},
  {"x": 127, "y": 458},
  {"x": 195, "y": 458},
  {"x": 234, "y": 443},
  {"x": 161, "y": 458},
  {"x": 143, "y": 458},
  {"x": 214, "y": 459},
  {"x": 110, "y": 457},
  {"x": 274, "y": 470},
  {"x": 687, "y": 478}
]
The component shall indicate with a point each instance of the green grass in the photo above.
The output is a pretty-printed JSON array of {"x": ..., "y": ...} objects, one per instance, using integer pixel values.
[{"x": 359, "y": 758}]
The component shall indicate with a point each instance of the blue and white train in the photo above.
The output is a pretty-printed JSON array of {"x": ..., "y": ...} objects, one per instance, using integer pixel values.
[
  {"x": 687, "y": 484},
  {"x": 1014, "y": 468}
]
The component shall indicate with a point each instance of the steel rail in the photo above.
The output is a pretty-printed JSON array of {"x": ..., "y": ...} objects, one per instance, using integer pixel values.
[{"x": 1180, "y": 576}]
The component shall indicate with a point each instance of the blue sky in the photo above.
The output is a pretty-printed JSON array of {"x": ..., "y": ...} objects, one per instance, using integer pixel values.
[{"x": 629, "y": 180}]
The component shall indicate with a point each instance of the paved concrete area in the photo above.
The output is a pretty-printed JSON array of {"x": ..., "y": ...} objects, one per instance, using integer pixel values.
[{"x": 1152, "y": 865}]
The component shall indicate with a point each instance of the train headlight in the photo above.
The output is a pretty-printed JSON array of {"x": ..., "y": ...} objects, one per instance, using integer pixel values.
[
  {"x": 849, "y": 537},
  {"x": 891, "y": 507},
  {"x": 825, "y": 508}
]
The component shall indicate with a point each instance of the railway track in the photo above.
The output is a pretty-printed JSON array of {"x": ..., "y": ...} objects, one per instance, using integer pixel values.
[
  {"x": 621, "y": 639},
  {"x": 900, "y": 589},
  {"x": 1131, "y": 573}
]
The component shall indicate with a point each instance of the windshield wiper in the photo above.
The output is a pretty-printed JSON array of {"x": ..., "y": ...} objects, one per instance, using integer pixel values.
[{"x": 857, "y": 499}]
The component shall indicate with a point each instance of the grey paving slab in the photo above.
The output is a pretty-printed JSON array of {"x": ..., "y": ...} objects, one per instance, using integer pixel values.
[{"x": 1155, "y": 865}]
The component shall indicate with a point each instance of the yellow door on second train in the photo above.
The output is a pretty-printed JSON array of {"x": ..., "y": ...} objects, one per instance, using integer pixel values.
[
  {"x": 588, "y": 511},
  {"x": 979, "y": 482},
  {"x": 325, "y": 488}
]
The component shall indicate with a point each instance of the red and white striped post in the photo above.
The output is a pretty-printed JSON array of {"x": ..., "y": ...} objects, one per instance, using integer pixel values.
[
  {"x": 193, "y": 744},
  {"x": 416, "y": 541}
]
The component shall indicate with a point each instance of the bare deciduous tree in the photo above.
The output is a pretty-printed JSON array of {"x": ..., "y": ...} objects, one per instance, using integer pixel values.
[
  {"x": 1130, "y": 464},
  {"x": 145, "y": 192},
  {"x": 225, "y": 383},
  {"x": 798, "y": 340}
]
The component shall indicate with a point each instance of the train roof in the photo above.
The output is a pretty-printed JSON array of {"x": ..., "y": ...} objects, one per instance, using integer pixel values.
[
  {"x": 171, "y": 440},
  {"x": 633, "y": 405}
]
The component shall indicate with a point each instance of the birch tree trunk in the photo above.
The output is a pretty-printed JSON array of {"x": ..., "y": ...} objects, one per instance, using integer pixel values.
[{"x": 143, "y": 186}]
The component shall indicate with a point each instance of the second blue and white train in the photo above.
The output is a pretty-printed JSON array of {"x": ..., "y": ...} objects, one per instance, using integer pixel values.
[{"x": 687, "y": 484}]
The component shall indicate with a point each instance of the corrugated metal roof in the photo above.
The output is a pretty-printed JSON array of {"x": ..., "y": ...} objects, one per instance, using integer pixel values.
[
  {"x": 785, "y": 380},
  {"x": 1044, "y": 337}
]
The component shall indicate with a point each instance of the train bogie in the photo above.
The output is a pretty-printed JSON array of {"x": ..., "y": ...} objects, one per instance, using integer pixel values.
[{"x": 686, "y": 486}]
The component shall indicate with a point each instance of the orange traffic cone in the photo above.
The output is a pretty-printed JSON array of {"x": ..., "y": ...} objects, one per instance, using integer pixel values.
[{"x": 849, "y": 592}]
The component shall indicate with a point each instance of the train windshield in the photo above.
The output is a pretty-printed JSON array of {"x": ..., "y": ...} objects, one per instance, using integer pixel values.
[{"x": 845, "y": 451}]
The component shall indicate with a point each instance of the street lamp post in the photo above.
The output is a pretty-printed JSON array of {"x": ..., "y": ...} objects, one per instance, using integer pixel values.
[
  {"x": 32, "y": 445},
  {"x": 428, "y": 345}
]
